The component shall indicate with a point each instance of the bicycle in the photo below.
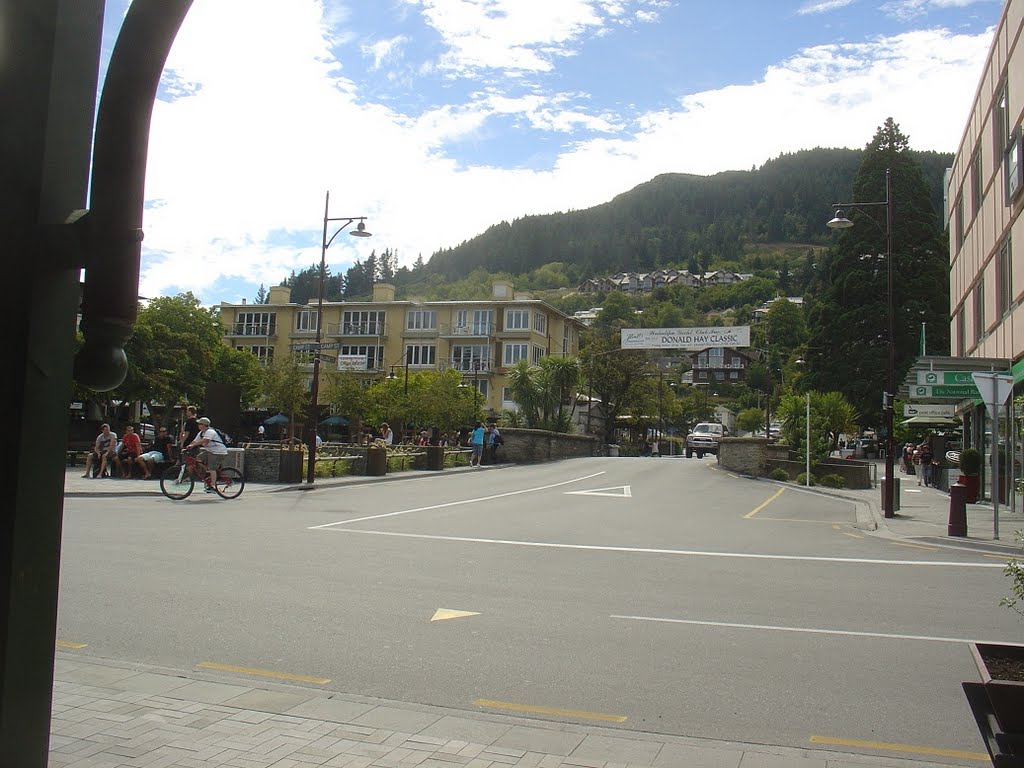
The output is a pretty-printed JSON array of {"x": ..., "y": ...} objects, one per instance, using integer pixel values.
[{"x": 179, "y": 481}]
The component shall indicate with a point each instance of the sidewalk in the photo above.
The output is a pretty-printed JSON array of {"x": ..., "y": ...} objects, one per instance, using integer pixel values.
[{"x": 110, "y": 713}]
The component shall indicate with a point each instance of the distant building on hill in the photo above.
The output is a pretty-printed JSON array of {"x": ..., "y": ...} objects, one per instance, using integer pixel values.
[{"x": 645, "y": 282}]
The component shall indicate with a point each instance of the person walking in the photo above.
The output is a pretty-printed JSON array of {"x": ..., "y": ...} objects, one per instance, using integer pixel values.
[
  {"x": 212, "y": 451},
  {"x": 477, "y": 441},
  {"x": 926, "y": 462}
]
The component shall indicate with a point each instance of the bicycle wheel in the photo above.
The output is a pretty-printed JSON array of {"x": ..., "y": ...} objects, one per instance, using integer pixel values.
[
  {"x": 229, "y": 483},
  {"x": 177, "y": 482}
]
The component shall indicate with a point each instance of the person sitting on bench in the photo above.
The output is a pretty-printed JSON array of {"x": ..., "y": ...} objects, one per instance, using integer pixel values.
[{"x": 102, "y": 452}]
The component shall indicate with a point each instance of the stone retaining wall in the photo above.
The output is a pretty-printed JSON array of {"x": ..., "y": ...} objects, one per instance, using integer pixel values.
[
  {"x": 532, "y": 446},
  {"x": 756, "y": 456}
]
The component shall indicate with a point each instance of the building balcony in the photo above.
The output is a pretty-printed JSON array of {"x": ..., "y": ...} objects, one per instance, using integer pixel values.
[
  {"x": 468, "y": 330},
  {"x": 375, "y": 330},
  {"x": 248, "y": 329}
]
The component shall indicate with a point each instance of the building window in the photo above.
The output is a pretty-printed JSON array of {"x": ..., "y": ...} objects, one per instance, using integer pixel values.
[
  {"x": 538, "y": 353},
  {"x": 421, "y": 320},
  {"x": 516, "y": 352},
  {"x": 979, "y": 309},
  {"x": 374, "y": 355},
  {"x": 365, "y": 323},
  {"x": 540, "y": 322},
  {"x": 566, "y": 338},
  {"x": 469, "y": 357},
  {"x": 305, "y": 320},
  {"x": 1004, "y": 278},
  {"x": 506, "y": 395},
  {"x": 961, "y": 332},
  {"x": 256, "y": 323},
  {"x": 421, "y": 354},
  {"x": 517, "y": 319},
  {"x": 264, "y": 354},
  {"x": 958, "y": 221},
  {"x": 976, "y": 191}
]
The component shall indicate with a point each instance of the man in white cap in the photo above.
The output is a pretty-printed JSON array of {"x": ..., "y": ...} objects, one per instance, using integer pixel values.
[{"x": 212, "y": 450}]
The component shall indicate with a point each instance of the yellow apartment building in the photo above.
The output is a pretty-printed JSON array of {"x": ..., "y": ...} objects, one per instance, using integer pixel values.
[{"x": 385, "y": 336}]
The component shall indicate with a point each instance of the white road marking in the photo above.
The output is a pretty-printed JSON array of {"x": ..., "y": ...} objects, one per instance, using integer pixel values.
[
  {"x": 455, "y": 503},
  {"x": 619, "y": 492},
  {"x": 807, "y": 630},
  {"x": 650, "y": 551}
]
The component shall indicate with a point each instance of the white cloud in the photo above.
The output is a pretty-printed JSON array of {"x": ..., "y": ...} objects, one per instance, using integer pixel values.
[
  {"x": 240, "y": 161},
  {"x": 823, "y": 6}
]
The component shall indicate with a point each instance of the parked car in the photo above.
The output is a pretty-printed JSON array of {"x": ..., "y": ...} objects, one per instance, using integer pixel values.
[{"x": 704, "y": 438}]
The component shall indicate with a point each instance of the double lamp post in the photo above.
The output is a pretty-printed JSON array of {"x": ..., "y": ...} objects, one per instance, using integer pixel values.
[
  {"x": 839, "y": 221},
  {"x": 314, "y": 390}
]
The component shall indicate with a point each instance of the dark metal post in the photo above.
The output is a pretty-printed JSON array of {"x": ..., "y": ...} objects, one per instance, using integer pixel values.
[
  {"x": 888, "y": 504},
  {"x": 314, "y": 392}
]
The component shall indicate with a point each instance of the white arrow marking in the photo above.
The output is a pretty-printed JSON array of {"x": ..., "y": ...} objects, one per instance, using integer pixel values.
[{"x": 617, "y": 492}]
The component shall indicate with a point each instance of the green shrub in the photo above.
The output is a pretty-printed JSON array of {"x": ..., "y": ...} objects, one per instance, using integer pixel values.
[
  {"x": 801, "y": 479},
  {"x": 833, "y": 481},
  {"x": 779, "y": 474},
  {"x": 970, "y": 461}
]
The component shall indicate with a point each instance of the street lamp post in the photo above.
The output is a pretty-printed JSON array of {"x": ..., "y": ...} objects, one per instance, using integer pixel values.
[
  {"x": 839, "y": 221},
  {"x": 314, "y": 391}
]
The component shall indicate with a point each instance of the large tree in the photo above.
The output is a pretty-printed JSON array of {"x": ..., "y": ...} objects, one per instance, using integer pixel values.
[{"x": 849, "y": 343}]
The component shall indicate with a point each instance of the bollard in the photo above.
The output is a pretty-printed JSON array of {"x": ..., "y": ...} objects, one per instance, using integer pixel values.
[
  {"x": 957, "y": 511},
  {"x": 895, "y": 493},
  {"x": 376, "y": 461}
]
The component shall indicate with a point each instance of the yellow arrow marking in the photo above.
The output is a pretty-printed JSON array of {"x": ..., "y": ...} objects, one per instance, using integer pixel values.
[
  {"x": 441, "y": 614},
  {"x": 68, "y": 644},
  {"x": 264, "y": 673},
  {"x": 852, "y": 535}
]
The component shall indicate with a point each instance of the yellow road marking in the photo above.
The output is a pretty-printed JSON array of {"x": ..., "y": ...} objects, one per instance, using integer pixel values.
[
  {"x": 264, "y": 673},
  {"x": 852, "y": 535},
  {"x": 1007, "y": 558},
  {"x": 835, "y": 526},
  {"x": 69, "y": 644},
  {"x": 447, "y": 613},
  {"x": 764, "y": 504},
  {"x": 915, "y": 546},
  {"x": 789, "y": 520},
  {"x": 899, "y": 748},
  {"x": 550, "y": 711}
]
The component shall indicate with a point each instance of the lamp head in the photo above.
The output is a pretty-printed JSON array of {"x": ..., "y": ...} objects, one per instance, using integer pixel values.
[
  {"x": 839, "y": 221},
  {"x": 360, "y": 230}
]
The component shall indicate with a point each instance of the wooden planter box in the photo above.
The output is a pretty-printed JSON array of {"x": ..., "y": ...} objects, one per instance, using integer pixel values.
[{"x": 1005, "y": 696}]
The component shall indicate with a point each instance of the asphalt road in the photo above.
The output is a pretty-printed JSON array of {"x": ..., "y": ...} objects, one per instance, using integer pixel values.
[{"x": 651, "y": 594}]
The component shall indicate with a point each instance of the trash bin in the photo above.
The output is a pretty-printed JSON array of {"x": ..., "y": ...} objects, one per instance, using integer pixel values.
[
  {"x": 957, "y": 525},
  {"x": 435, "y": 457},
  {"x": 376, "y": 461},
  {"x": 290, "y": 468},
  {"x": 895, "y": 493},
  {"x": 236, "y": 459}
]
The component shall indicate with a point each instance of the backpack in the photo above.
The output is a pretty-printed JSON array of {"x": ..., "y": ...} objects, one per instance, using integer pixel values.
[
  {"x": 225, "y": 438},
  {"x": 499, "y": 440}
]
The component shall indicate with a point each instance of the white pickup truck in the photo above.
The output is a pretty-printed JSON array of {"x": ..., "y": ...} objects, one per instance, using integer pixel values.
[{"x": 704, "y": 439}]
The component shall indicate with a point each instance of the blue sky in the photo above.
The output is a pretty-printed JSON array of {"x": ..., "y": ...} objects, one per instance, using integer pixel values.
[{"x": 438, "y": 118}]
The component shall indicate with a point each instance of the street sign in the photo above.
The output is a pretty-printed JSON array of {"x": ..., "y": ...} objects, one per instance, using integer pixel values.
[
  {"x": 929, "y": 409},
  {"x": 952, "y": 392},
  {"x": 994, "y": 388},
  {"x": 951, "y": 378},
  {"x": 312, "y": 346}
]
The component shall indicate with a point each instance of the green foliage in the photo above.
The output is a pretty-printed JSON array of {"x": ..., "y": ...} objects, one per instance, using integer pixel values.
[
  {"x": 855, "y": 305},
  {"x": 430, "y": 399},
  {"x": 681, "y": 220},
  {"x": 1015, "y": 572},
  {"x": 801, "y": 479},
  {"x": 284, "y": 385},
  {"x": 541, "y": 391},
  {"x": 779, "y": 474},
  {"x": 234, "y": 366},
  {"x": 826, "y": 410},
  {"x": 970, "y": 461},
  {"x": 833, "y": 481},
  {"x": 750, "y": 420}
]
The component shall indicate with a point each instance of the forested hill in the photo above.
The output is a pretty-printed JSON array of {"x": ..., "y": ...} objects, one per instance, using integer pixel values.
[{"x": 681, "y": 219}]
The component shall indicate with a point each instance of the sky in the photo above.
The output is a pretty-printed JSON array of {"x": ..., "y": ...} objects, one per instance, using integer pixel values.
[{"x": 437, "y": 118}]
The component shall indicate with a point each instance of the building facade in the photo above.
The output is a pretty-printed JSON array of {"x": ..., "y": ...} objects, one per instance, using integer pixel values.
[
  {"x": 986, "y": 196},
  {"x": 479, "y": 339}
]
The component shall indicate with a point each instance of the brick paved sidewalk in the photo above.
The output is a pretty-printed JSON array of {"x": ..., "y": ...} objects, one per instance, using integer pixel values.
[{"x": 110, "y": 714}]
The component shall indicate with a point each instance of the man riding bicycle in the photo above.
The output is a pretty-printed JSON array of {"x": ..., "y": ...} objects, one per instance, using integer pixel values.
[{"x": 212, "y": 451}]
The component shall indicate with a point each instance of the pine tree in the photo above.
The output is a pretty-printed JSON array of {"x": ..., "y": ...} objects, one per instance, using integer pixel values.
[{"x": 848, "y": 351}]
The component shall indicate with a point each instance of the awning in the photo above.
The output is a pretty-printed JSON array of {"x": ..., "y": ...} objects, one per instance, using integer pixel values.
[{"x": 929, "y": 421}]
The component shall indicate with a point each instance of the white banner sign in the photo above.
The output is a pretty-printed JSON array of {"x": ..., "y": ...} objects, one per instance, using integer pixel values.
[
  {"x": 351, "y": 362},
  {"x": 693, "y": 339},
  {"x": 929, "y": 409}
]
